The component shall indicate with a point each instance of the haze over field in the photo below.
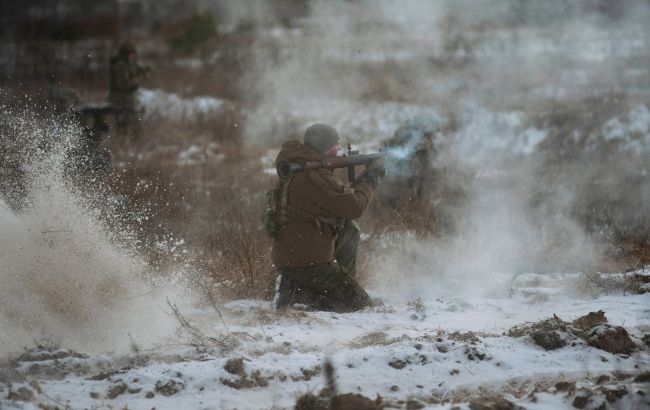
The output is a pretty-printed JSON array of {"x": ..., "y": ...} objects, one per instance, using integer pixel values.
[{"x": 154, "y": 279}]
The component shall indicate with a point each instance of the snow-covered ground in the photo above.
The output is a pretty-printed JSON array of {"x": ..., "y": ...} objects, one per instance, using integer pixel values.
[
  {"x": 416, "y": 354},
  {"x": 430, "y": 352},
  {"x": 158, "y": 104}
]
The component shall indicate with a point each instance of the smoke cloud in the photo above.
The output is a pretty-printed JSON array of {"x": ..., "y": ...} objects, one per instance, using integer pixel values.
[
  {"x": 540, "y": 112},
  {"x": 522, "y": 95}
]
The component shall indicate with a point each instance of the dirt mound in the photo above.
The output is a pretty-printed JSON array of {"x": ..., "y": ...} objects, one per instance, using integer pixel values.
[
  {"x": 347, "y": 401},
  {"x": 493, "y": 403},
  {"x": 169, "y": 387},
  {"x": 311, "y": 402},
  {"x": 328, "y": 399},
  {"x": 590, "y": 320},
  {"x": 549, "y": 340},
  {"x": 613, "y": 339},
  {"x": 550, "y": 334},
  {"x": 235, "y": 366},
  {"x": 555, "y": 333},
  {"x": 351, "y": 401}
]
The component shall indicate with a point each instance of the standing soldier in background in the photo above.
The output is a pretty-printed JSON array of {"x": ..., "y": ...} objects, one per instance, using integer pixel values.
[
  {"x": 315, "y": 240},
  {"x": 125, "y": 77},
  {"x": 413, "y": 176}
]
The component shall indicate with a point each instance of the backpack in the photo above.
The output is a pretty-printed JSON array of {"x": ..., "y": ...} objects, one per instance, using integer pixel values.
[
  {"x": 271, "y": 216},
  {"x": 278, "y": 211}
]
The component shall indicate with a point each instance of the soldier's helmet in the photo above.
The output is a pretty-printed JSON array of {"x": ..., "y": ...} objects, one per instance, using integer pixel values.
[
  {"x": 126, "y": 48},
  {"x": 321, "y": 137}
]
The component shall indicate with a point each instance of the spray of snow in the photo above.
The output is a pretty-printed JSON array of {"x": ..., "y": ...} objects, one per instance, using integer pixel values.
[{"x": 68, "y": 271}]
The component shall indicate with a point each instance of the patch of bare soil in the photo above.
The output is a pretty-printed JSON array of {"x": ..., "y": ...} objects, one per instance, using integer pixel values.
[
  {"x": 328, "y": 399},
  {"x": 590, "y": 320},
  {"x": 347, "y": 401},
  {"x": 549, "y": 340},
  {"x": 493, "y": 403},
  {"x": 116, "y": 390},
  {"x": 592, "y": 328},
  {"x": 613, "y": 339},
  {"x": 169, "y": 387},
  {"x": 311, "y": 402},
  {"x": 549, "y": 334},
  {"x": 465, "y": 337},
  {"x": 235, "y": 366},
  {"x": 350, "y": 401}
]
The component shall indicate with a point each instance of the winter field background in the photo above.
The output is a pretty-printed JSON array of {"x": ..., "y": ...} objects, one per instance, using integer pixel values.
[{"x": 151, "y": 287}]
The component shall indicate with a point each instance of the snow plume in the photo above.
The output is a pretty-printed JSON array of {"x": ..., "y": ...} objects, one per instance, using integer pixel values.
[{"x": 68, "y": 270}]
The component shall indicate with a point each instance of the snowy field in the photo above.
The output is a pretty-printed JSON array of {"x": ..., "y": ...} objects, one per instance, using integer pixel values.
[
  {"x": 460, "y": 326},
  {"x": 436, "y": 353},
  {"x": 455, "y": 349}
]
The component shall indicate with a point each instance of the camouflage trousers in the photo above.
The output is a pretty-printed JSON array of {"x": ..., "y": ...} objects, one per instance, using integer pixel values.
[{"x": 330, "y": 286}]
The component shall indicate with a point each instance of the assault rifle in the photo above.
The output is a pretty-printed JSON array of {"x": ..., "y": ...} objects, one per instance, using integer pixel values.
[{"x": 349, "y": 161}]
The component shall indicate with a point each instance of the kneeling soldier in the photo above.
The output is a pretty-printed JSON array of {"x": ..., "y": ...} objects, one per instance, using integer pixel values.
[{"x": 316, "y": 241}]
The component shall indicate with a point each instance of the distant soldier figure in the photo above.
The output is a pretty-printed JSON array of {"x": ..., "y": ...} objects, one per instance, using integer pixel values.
[
  {"x": 125, "y": 78},
  {"x": 410, "y": 164},
  {"x": 316, "y": 241}
]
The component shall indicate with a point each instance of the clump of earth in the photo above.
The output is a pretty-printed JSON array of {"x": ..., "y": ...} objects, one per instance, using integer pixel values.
[{"x": 592, "y": 329}]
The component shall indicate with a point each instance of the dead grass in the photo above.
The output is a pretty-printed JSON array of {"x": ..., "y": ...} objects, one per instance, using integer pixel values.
[
  {"x": 593, "y": 284},
  {"x": 214, "y": 204},
  {"x": 377, "y": 339},
  {"x": 547, "y": 325}
]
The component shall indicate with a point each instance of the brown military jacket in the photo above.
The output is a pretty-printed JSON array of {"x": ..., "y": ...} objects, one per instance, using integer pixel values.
[{"x": 316, "y": 201}]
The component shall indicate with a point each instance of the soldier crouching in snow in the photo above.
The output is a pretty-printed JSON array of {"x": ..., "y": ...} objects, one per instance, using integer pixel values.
[{"x": 316, "y": 241}]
